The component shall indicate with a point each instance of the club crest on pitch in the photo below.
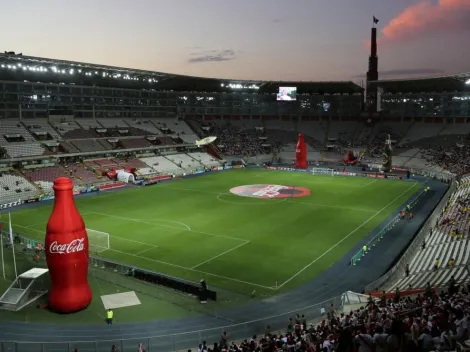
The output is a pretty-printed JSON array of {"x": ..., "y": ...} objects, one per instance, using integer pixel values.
[{"x": 270, "y": 191}]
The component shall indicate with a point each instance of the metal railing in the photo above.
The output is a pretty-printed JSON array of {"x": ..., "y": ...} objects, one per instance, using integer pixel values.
[
  {"x": 399, "y": 268},
  {"x": 374, "y": 241}
]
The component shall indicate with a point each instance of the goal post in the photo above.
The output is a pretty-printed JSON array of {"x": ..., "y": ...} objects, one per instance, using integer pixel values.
[
  {"x": 98, "y": 241},
  {"x": 323, "y": 171}
]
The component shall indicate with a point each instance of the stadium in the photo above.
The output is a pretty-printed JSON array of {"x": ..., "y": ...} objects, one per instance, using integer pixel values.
[{"x": 190, "y": 185}]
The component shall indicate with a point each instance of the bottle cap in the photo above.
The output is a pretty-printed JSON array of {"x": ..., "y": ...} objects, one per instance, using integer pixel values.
[{"x": 62, "y": 184}]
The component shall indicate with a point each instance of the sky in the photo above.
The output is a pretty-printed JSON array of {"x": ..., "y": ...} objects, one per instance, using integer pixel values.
[{"x": 290, "y": 40}]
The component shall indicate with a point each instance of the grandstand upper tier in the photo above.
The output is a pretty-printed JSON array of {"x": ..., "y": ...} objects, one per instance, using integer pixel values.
[
  {"x": 44, "y": 70},
  {"x": 60, "y": 107}
]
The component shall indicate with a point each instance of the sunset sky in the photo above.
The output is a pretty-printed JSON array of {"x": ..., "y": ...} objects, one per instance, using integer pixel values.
[{"x": 311, "y": 40}]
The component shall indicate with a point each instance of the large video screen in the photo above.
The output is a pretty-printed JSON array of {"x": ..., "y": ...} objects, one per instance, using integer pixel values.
[{"x": 287, "y": 93}]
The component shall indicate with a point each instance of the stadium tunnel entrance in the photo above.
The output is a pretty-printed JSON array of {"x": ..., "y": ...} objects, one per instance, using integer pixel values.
[{"x": 126, "y": 177}]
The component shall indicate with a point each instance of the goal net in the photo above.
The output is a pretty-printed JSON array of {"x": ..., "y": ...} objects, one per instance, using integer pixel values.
[
  {"x": 98, "y": 241},
  {"x": 323, "y": 171}
]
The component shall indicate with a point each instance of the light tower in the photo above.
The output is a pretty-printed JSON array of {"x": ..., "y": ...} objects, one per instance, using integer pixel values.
[{"x": 373, "y": 72}]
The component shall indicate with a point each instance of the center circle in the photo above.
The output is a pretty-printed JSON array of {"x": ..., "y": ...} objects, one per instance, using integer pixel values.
[{"x": 270, "y": 191}]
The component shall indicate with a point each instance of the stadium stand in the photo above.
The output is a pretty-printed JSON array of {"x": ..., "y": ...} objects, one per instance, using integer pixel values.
[
  {"x": 83, "y": 174},
  {"x": 14, "y": 188},
  {"x": 89, "y": 124},
  {"x": 91, "y": 145},
  {"x": 448, "y": 240},
  {"x": 184, "y": 161},
  {"x": 113, "y": 123},
  {"x": 177, "y": 128},
  {"x": 426, "y": 136},
  {"x": 420, "y": 131},
  {"x": 45, "y": 176},
  {"x": 14, "y": 128},
  {"x": 135, "y": 143},
  {"x": 205, "y": 159},
  {"x": 71, "y": 130},
  {"x": 315, "y": 129},
  {"x": 24, "y": 149},
  {"x": 145, "y": 125},
  {"x": 40, "y": 128},
  {"x": 159, "y": 164}
]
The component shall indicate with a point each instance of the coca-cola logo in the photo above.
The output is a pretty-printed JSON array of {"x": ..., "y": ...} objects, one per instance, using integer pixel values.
[{"x": 74, "y": 246}]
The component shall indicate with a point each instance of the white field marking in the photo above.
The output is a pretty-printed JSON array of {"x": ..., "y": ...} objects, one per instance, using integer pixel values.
[
  {"x": 192, "y": 190},
  {"x": 172, "y": 227},
  {"x": 194, "y": 270},
  {"x": 332, "y": 206},
  {"x": 31, "y": 227},
  {"x": 145, "y": 250},
  {"x": 137, "y": 255},
  {"x": 147, "y": 221},
  {"x": 370, "y": 183},
  {"x": 144, "y": 220},
  {"x": 219, "y": 255},
  {"x": 344, "y": 238},
  {"x": 248, "y": 203}
]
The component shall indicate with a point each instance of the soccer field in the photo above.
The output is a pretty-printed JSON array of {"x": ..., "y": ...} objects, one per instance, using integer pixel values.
[{"x": 196, "y": 228}]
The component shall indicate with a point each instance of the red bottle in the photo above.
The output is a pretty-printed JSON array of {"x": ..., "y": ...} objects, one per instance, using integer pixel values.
[
  {"x": 66, "y": 248},
  {"x": 301, "y": 153}
]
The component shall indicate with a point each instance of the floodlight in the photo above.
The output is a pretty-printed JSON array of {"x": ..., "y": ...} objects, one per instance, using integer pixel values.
[{"x": 468, "y": 81}]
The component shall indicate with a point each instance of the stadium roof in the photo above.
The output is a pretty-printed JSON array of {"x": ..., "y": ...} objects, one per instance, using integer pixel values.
[
  {"x": 17, "y": 67},
  {"x": 450, "y": 83}
]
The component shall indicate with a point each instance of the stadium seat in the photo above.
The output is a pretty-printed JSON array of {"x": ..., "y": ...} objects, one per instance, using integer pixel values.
[
  {"x": 14, "y": 188},
  {"x": 160, "y": 164}
]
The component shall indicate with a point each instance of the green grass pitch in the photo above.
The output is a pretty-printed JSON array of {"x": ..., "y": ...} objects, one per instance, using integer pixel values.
[{"x": 195, "y": 228}]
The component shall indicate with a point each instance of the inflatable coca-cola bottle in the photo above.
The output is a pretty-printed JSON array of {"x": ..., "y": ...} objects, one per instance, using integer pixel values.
[
  {"x": 67, "y": 252},
  {"x": 301, "y": 153}
]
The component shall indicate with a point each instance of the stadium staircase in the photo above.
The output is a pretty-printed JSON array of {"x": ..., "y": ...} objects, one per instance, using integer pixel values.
[
  {"x": 375, "y": 129},
  {"x": 215, "y": 152},
  {"x": 440, "y": 245},
  {"x": 155, "y": 125},
  {"x": 54, "y": 128},
  {"x": 69, "y": 147},
  {"x": 80, "y": 125},
  {"x": 441, "y": 130},
  {"x": 357, "y": 131},
  {"x": 406, "y": 132},
  {"x": 20, "y": 173},
  {"x": 27, "y": 129},
  {"x": 198, "y": 131},
  {"x": 327, "y": 133},
  {"x": 411, "y": 157}
]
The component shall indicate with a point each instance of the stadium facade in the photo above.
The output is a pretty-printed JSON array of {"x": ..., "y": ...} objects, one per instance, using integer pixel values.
[
  {"x": 36, "y": 87},
  {"x": 33, "y": 87}
]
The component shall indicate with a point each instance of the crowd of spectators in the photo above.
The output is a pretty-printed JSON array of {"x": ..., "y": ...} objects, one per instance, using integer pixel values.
[
  {"x": 454, "y": 158},
  {"x": 429, "y": 322},
  {"x": 233, "y": 140}
]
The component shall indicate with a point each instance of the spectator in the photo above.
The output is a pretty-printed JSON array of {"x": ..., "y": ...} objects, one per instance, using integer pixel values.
[{"x": 380, "y": 340}]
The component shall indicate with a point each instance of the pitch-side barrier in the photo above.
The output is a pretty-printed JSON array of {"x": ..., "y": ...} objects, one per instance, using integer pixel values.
[
  {"x": 376, "y": 239},
  {"x": 399, "y": 268}
]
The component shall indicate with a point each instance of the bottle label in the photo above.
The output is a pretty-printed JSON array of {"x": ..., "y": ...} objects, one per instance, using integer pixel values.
[{"x": 74, "y": 246}]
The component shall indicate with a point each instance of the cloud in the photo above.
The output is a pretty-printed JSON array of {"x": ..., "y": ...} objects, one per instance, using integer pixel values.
[
  {"x": 277, "y": 20},
  {"x": 212, "y": 56},
  {"x": 406, "y": 72},
  {"x": 427, "y": 18}
]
